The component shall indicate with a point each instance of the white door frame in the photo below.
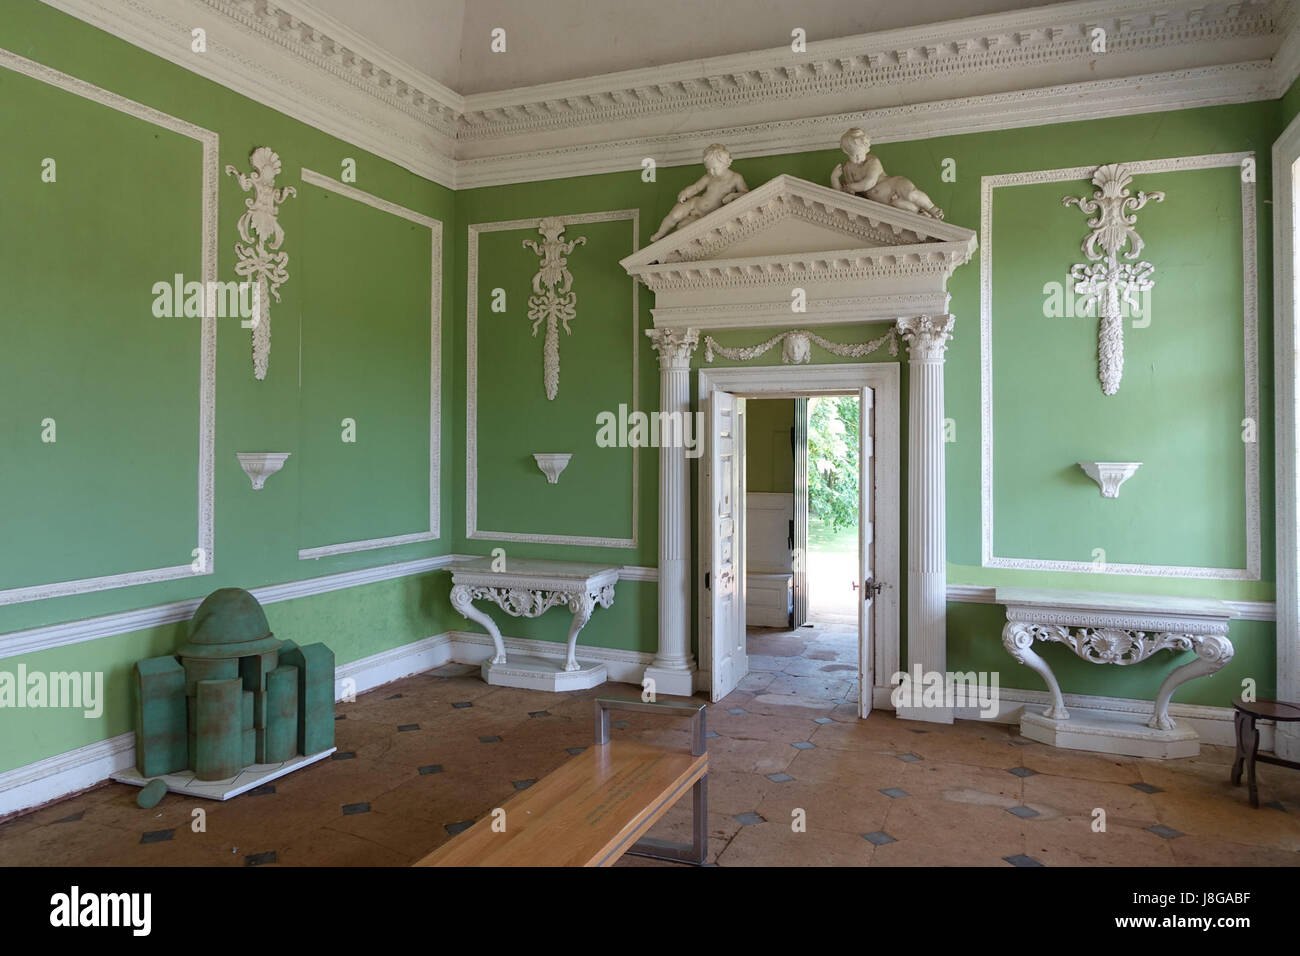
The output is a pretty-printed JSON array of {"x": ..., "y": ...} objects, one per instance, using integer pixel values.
[
  {"x": 1286, "y": 353},
  {"x": 799, "y": 381}
]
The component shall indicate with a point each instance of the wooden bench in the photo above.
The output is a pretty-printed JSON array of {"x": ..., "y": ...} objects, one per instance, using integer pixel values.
[{"x": 597, "y": 806}]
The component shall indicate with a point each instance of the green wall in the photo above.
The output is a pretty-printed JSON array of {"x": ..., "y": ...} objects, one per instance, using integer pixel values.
[
  {"x": 769, "y": 451},
  {"x": 117, "y": 491},
  {"x": 1180, "y": 408}
]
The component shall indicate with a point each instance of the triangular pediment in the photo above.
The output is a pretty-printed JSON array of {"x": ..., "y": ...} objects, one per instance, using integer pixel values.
[{"x": 791, "y": 218}]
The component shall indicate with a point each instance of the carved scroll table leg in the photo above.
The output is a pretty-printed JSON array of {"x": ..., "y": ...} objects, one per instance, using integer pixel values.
[
  {"x": 1212, "y": 652},
  {"x": 581, "y": 605},
  {"x": 462, "y": 599},
  {"x": 1018, "y": 639}
]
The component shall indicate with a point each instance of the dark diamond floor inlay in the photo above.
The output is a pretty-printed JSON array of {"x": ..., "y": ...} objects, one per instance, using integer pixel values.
[
  {"x": 342, "y": 755},
  {"x": 748, "y": 819},
  {"x": 72, "y": 818},
  {"x": 894, "y": 792},
  {"x": 878, "y": 838},
  {"x": 264, "y": 790},
  {"x": 522, "y": 784},
  {"x": 405, "y": 727},
  {"x": 1022, "y": 771},
  {"x": 260, "y": 859},
  {"x": 1021, "y": 860},
  {"x": 157, "y": 836},
  {"x": 1146, "y": 788},
  {"x": 351, "y": 809},
  {"x": 539, "y": 713},
  {"x": 1023, "y": 812},
  {"x": 460, "y": 827},
  {"x": 489, "y": 740},
  {"x": 463, "y": 703},
  {"x": 431, "y": 768}
]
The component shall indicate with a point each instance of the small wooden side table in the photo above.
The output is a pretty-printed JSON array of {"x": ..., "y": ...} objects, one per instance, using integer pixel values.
[{"x": 1248, "y": 738}]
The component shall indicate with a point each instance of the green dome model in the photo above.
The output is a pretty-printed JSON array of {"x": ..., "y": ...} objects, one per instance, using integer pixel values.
[{"x": 229, "y": 623}]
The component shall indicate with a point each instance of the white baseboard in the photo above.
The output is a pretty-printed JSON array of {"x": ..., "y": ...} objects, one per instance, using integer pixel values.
[
  {"x": 57, "y": 776},
  {"x": 65, "y": 773}
]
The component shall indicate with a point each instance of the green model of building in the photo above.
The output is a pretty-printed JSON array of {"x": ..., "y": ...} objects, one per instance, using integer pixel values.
[{"x": 232, "y": 696}]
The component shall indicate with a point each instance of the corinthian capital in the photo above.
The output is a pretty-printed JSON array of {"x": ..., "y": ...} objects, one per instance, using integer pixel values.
[
  {"x": 926, "y": 336},
  {"x": 674, "y": 346}
]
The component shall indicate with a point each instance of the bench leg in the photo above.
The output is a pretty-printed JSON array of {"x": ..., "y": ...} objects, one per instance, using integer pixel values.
[{"x": 693, "y": 852}]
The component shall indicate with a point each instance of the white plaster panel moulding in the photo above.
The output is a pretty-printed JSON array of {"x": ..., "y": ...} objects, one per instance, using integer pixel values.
[
  {"x": 1250, "y": 338},
  {"x": 199, "y": 558},
  {"x": 472, "y": 529},
  {"x": 44, "y": 638},
  {"x": 435, "y": 368}
]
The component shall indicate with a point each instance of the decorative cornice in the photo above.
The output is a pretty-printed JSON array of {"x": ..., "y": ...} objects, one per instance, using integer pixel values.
[
  {"x": 1058, "y": 35},
  {"x": 1159, "y": 56}
]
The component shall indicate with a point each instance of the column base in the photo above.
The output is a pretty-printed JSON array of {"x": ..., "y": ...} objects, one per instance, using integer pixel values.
[{"x": 672, "y": 682}]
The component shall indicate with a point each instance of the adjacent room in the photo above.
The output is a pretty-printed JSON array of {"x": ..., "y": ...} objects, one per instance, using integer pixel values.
[{"x": 834, "y": 433}]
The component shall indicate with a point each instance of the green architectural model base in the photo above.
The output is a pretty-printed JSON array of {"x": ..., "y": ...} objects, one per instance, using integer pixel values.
[{"x": 235, "y": 707}]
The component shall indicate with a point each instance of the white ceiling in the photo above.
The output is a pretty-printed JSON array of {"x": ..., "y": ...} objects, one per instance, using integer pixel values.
[{"x": 551, "y": 40}]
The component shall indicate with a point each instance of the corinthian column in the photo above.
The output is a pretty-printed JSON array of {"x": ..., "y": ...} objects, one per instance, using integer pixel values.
[
  {"x": 927, "y": 541},
  {"x": 673, "y": 670}
]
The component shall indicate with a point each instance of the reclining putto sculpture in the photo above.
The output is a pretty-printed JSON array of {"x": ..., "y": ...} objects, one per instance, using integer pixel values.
[
  {"x": 864, "y": 175},
  {"x": 713, "y": 190}
]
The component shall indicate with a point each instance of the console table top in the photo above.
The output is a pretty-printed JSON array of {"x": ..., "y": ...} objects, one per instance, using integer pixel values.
[
  {"x": 475, "y": 570},
  {"x": 1101, "y": 601}
]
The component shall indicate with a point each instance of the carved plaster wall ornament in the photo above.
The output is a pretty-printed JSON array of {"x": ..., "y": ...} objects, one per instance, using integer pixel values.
[
  {"x": 553, "y": 300},
  {"x": 260, "y": 259},
  {"x": 796, "y": 347},
  {"x": 552, "y": 465},
  {"x": 1109, "y": 475},
  {"x": 1104, "y": 281},
  {"x": 261, "y": 465},
  {"x": 864, "y": 175}
]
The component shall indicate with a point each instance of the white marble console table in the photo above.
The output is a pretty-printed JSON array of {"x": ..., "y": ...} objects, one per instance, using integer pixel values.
[
  {"x": 1118, "y": 629},
  {"x": 530, "y": 588}
]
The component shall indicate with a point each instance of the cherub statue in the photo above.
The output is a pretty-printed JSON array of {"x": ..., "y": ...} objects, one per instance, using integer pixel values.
[
  {"x": 711, "y": 191},
  {"x": 864, "y": 175}
]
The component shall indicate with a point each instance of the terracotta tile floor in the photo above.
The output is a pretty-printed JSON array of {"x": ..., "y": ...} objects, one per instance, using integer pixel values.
[{"x": 389, "y": 796}]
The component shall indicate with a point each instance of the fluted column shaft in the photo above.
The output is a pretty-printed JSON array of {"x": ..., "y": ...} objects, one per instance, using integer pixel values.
[
  {"x": 673, "y": 669},
  {"x": 927, "y": 541}
]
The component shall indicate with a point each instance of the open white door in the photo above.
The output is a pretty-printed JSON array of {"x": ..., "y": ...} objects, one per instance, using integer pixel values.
[
  {"x": 799, "y": 544},
  {"x": 726, "y": 619},
  {"x": 866, "y": 550}
]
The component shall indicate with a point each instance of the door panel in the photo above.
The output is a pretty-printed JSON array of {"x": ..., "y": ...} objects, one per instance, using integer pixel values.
[
  {"x": 726, "y": 621},
  {"x": 866, "y": 549}
]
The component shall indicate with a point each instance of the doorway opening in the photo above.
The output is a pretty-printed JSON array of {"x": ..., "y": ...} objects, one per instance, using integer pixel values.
[
  {"x": 802, "y": 509},
  {"x": 799, "y": 525}
]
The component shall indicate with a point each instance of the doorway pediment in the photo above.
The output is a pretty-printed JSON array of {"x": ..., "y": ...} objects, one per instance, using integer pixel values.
[{"x": 855, "y": 259}]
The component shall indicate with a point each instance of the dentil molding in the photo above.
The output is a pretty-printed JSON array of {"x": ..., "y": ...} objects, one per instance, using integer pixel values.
[{"x": 1158, "y": 56}]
